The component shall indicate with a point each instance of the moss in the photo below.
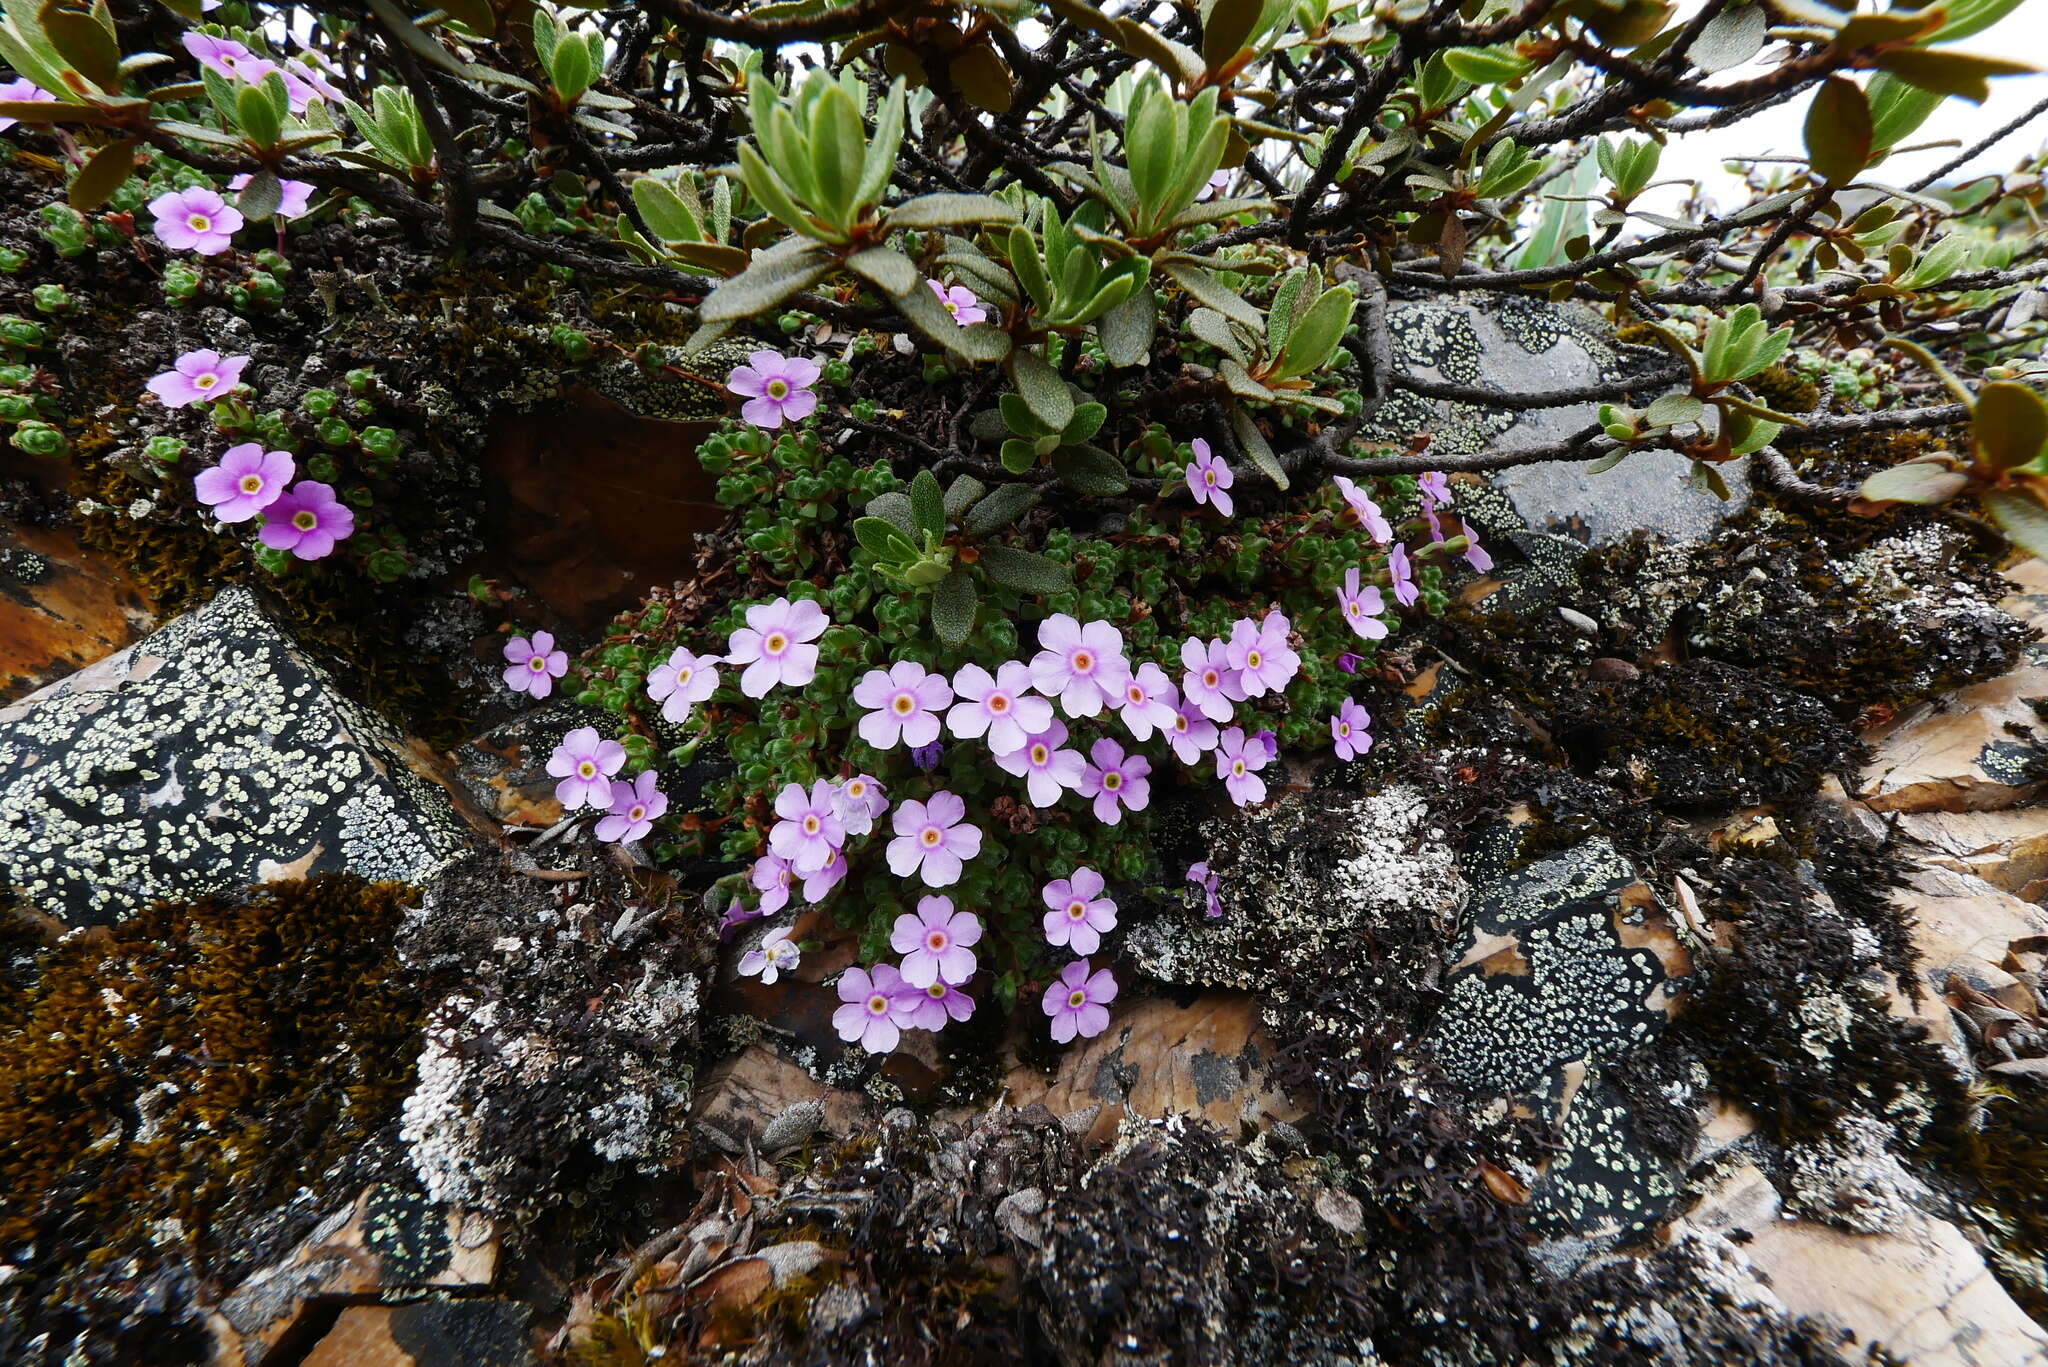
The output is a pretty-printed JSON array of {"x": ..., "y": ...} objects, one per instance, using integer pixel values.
[{"x": 1996, "y": 1141}]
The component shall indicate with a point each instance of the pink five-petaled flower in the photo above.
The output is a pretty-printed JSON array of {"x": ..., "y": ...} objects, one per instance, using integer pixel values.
[
  {"x": 22, "y": 91},
  {"x": 775, "y": 955},
  {"x": 1260, "y": 654},
  {"x": 1402, "y": 578},
  {"x": 1436, "y": 487},
  {"x": 682, "y": 681},
  {"x": 293, "y": 199},
  {"x": 1077, "y": 914},
  {"x": 1475, "y": 554},
  {"x": 776, "y": 388},
  {"x": 1198, "y": 873},
  {"x": 1362, "y": 607},
  {"x": 773, "y": 645},
  {"x": 1083, "y": 666},
  {"x": 1149, "y": 702},
  {"x": 635, "y": 808},
  {"x": 247, "y": 480},
  {"x": 822, "y": 881},
  {"x": 876, "y": 1010},
  {"x": 936, "y": 1005},
  {"x": 859, "y": 802},
  {"x": 1116, "y": 781},
  {"x": 1348, "y": 734},
  {"x": 308, "y": 520},
  {"x": 1044, "y": 766},
  {"x": 1190, "y": 733},
  {"x": 771, "y": 876},
  {"x": 1209, "y": 478},
  {"x": 222, "y": 55},
  {"x": 1237, "y": 761},
  {"x": 960, "y": 302},
  {"x": 934, "y": 942},
  {"x": 197, "y": 376},
  {"x": 932, "y": 839},
  {"x": 997, "y": 706},
  {"x": 532, "y": 667},
  {"x": 810, "y": 831},
  {"x": 1368, "y": 512},
  {"x": 1209, "y": 682},
  {"x": 585, "y": 762},
  {"x": 195, "y": 220},
  {"x": 1078, "y": 1001},
  {"x": 903, "y": 705}
]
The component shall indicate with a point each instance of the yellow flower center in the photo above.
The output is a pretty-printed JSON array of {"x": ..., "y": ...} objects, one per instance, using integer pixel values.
[
  {"x": 198, "y": 223},
  {"x": 206, "y": 381},
  {"x": 810, "y": 825},
  {"x": 1076, "y": 910},
  {"x": 1083, "y": 661},
  {"x": 777, "y": 643},
  {"x": 778, "y": 389},
  {"x": 1039, "y": 754},
  {"x": 1077, "y": 999},
  {"x": 904, "y": 704},
  {"x": 878, "y": 1005},
  {"x": 305, "y": 522},
  {"x": 930, "y": 836},
  {"x": 252, "y": 484},
  {"x": 586, "y": 770},
  {"x": 1112, "y": 780}
]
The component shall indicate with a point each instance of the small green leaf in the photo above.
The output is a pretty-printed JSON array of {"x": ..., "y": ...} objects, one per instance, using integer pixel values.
[
  {"x": 1126, "y": 330},
  {"x": 1090, "y": 470},
  {"x": 894, "y": 508},
  {"x": 928, "y": 505},
  {"x": 1838, "y": 131},
  {"x": 1000, "y": 509},
  {"x": 891, "y": 271},
  {"x": 1018, "y": 455},
  {"x": 1917, "y": 481},
  {"x": 963, "y": 493},
  {"x": 884, "y": 540},
  {"x": 261, "y": 196},
  {"x": 1040, "y": 386},
  {"x": 1673, "y": 409},
  {"x": 97, "y": 180},
  {"x": 2010, "y": 424},
  {"x": 666, "y": 212},
  {"x": 953, "y": 605},
  {"x": 1025, "y": 571},
  {"x": 1256, "y": 448},
  {"x": 2021, "y": 517},
  {"x": 1086, "y": 422},
  {"x": 1316, "y": 337},
  {"x": 1962, "y": 74},
  {"x": 950, "y": 211},
  {"x": 773, "y": 276}
]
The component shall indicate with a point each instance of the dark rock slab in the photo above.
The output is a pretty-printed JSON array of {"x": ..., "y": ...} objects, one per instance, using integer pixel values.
[{"x": 61, "y": 607}]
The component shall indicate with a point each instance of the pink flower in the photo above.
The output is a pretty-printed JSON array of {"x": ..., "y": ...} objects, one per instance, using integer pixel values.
[
  {"x": 533, "y": 666},
  {"x": 937, "y": 1005},
  {"x": 1362, "y": 607},
  {"x": 247, "y": 480},
  {"x": 308, "y": 520},
  {"x": 1082, "y": 666},
  {"x": 820, "y": 882},
  {"x": 1198, "y": 873},
  {"x": 860, "y": 800},
  {"x": 904, "y": 705},
  {"x": 313, "y": 77},
  {"x": 773, "y": 645},
  {"x": 775, "y": 955},
  {"x": 585, "y": 764},
  {"x": 809, "y": 832},
  {"x": 294, "y": 197},
  {"x": 776, "y": 388},
  {"x": 1116, "y": 781},
  {"x": 877, "y": 1008},
  {"x": 222, "y": 55},
  {"x": 960, "y": 302},
  {"x": 1044, "y": 766},
  {"x": 22, "y": 91},
  {"x": 771, "y": 876},
  {"x": 1077, "y": 1001},
  {"x": 198, "y": 375},
  {"x": 1208, "y": 477},
  {"x": 1436, "y": 487},
  {"x": 1237, "y": 763},
  {"x": 1475, "y": 554},
  {"x": 682, "y": 681},
  {"x": 635, "y": 808},
  {"x": 1190, "y": 733},
  {"x": 1369, "y": 515},
  {"x": 932, "y": 839},
  {"x": 1260, "y": 654},
  {"x": 195, "y": 220},
  {"x": 934, "y": 942},
  {"x": 997, "y": 706},
  {"x": 1405, "y": 591},
  {"x": 1077, "y": 914},
  {"x": 1348, "y": 734},
  {"x": 1149, "y": 702},
  {"x": 1209, "y": 682}
]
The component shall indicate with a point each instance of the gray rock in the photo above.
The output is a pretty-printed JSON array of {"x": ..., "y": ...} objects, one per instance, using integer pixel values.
[{"x": 210, "y": 755}]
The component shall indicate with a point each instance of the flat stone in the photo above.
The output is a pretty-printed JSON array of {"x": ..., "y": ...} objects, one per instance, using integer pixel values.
[
  {"x": 61, "y": 607},
  {"x": 1965, "y": 928},
  {"x": 488, "y": 1333},
  {"x": 211, "y": 755},
  {"x": 2008, "y": 850}
]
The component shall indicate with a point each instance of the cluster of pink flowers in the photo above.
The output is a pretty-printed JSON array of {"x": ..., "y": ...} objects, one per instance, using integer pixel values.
[
  {"x": 923, "y": 992},
  {"x": 305, "y": 79},
  {"x": 586, "y": 764},
  {"x": 305, "y": 518}
]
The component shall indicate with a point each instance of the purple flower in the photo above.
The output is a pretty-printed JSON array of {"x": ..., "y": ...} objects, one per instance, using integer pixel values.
[
  {"x": 1348, "y": 734},
  {"x": 773, "y": 645},
  {"x": 859, "y": 801},
  {"x": 1403, "y": 579},
  {"x": 22, "y": 91},
  {"x": 682, "y": 681},
  {"x": 1261, "y": 655},
  {"x": 1349, "y": 662},
  {"x": 198, "y": 375},
  {"x": 1077, "y": 914},
  {"x": 997, "y": 706},
  {"x": 298, "y": 91},
  {"x": 1475, "y": 554},
  {"x": 1209, "y": 477},
  {"x": 934, "y": 942},
  {"x": 1268, "y": 742},
  {"x": 532, "y": 667},
  {"x": 1369, "y": 515},
  {"x": 195, "y": 220},
  {"x": 775, "y": 955},
  {"x": 737, "y": 913},
  {"x": 1362, "y": 607},
  {"x": 1237, "y": 763},
  {"x": 1149, "y": 702},
  {"x": 313, "y": 67},
  {"x": 635, "y": 808},
  {"x": 772, "y": 876},
  {"x": 776, "y": 388},
  {"x": 294, "y": 197},
  {"x": 222, "y": 55},
  {"x": 960, "y": 302},
  {"x": 932, "y": 838},
  {"x": 1044, "y": 766},
  {"x": 1116, "y": 781},
  {"x": 927, "y": 757},
  {"x": 308, "y": 520},
  {"x": 247, "y": 480},
  {"x": 876, "y": 1008},
  {"x": 821, "y": 881},
  {"x": 810, "y": 831},
  {"x": 903, "y": 704},
  {"x": 1083, "y": 666},
  {"x": 1077, "y": 1001},
  {"x": 936, "y": 1005},
  {"x": 585, "y": 763},
  {"x": 1190, "y": 733},
  {"x": 1436, "y": 487},
  {"x": 1198, "y": 873},
  {"x": 1209, "y": 682}
]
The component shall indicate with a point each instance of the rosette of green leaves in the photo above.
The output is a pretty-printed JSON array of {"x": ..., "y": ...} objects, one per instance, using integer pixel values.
[
  {"x": 395, "y": 137},
  {"x": 1043, "y": 420},
  {"x": 1270, "y": 358},
  {"x": 685, "y": 227},
  {"x": 1059, "y": 275},
  {"x": 1734, "y": 348},
  {"x": 925, "y": 539}
]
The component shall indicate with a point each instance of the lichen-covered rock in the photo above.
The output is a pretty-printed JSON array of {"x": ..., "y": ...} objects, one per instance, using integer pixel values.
[
  {"x": 475, "y": 1333},
  {"x": 211, "y": 755}
]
